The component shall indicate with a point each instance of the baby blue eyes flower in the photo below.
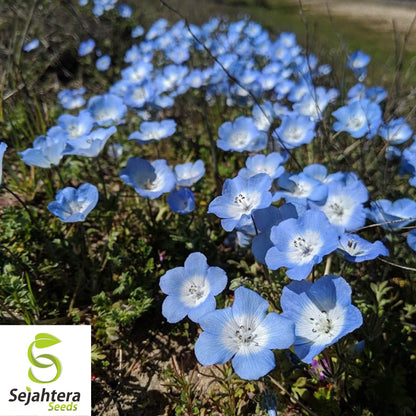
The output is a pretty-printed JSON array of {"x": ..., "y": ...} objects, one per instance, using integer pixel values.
[
  {"x": 295, "y": 130},
  {"x": 187, "y": 174},
  {"x": 154, "y": 131},
  {"x": 30, "y": 46},
  {"x": 107, "y": 109},
  {"x": 3, "y": 147},
  {"x": 411, "y": 240},
  {"x": 124, "y": 10},
  {"x": 358, "y": 62},
  {"x": 191, "y": 289},
  {"x": 397, "y": 131},
  {"x": 270, "y": 164},
  {"x": 71, "y": 99},
  {"x": 46, "y": 151},
  {"x": 73, "y": 205},
  {"x": 182, "y": 201},
  {"x": 356, "y": 249},
  {"x": 299, "y": 244},
  {"x": 137, "y": 31},
  {"x": 240, "y": 135},
  {"x": 240, "y": 197},
  {"x": 322, "y": 312},
  {"x": 244, "y": 333},
  {"x": 103, "y": 63},
  {"x": 150, "y": 180},
  {"x": 86, "y": 47},
  {"x": 360, "y": 118},
  {"x": 392, "y": 215}
]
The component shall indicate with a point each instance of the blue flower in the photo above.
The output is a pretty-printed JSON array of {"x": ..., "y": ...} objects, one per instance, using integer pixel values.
[
  {"x": 392, "y": 215},
  {"x": 182, "y": 201},
  {"x": 71, "y": 99},
  {"x": 139, "y": 94},
  {"x": 90, "y": 145},
  {"x": 3, "y": 147},
  {"x": 151, "y": 131},
  {"x": 322, "y": 313},
  {"x": 189, "y": 173},
  {"x": 357, "y": 249},
  {"x": 149, "y": 180},
  {"x": 411, "y": 240},
  {"x": 396, "y": 131},
  {"x": 46, "y": 151},
  {"x": 73, "y": 126},
  {"x": 240, "y": 197},
  {"x": 86, "y": 47},
  {"x": 244, "y": 333},
  {"x": 295, "y": 130},
  {"x": 124, "y": 10},
  {"x": 239, "y": 135},
  {"x": 360, "y": 118},
  {"x": 137, "y": 31},
  {"x": 270, "y": 164},
  {"x": 191, "y": 289},
  {"x": 30, "y": 46},
  {"x": 344, "y": 205},
  {"x": 103, "y": 63},
  {"x": 299, "y": 244},
  {"x": 73, "y": 205},
  {"x": 107, "y": 109},
  {"x": 358, "y": 62}
]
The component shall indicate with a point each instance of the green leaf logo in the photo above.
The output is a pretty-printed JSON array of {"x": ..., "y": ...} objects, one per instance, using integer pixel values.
[{"x": 43, "y": 340}]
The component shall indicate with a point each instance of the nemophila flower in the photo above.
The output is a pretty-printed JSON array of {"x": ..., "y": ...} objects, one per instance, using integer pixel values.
[
  {"x": 358, "y": 62},
  {"x": 182, "y": 200},
  {"x": 239, "y": 135},
  {"x": 149, "y": 180},
  {"x": 322, "y": 313},
  {"x": 376, "y": 94},
  {"x": 124, "y": 10},
  {"x": 392, "y": 153},
  {"x": 73, "y": 126},
  {"x": 344, "y": 204},
  {"x": 73, "y": 205},
  {"x": 270, "y": 164},
  {"x": 46, "y": 151},
  {"x": 300, "y": 188},
  {"x": 71, "y": 99},
  {"x": 82, "y": 2},
  {"x": 189, "y": 173},
  {"x": 103, "y": 63},
  {"x": 137, "y": 31},
  {"x": 392, "y": 215},
  {"x": 264, "y": 220},
  {"x": 396, "y": 131},
  {"x": 360, "y": 118},
  {"x": 295, "y": 130},
  {"x": 240, "y": 197},
  {"x": 299, "y": 244},
  {"x": 411, "y": 240},
  {"x": 191, "y": 289},
  {"x": 138, "y": 94},
  {"x": 357, "y": 249},
  {"x": 313, "y": 104},
  {"x": 107, "y": 109},
  {"x": 90, "y": 145},
  {"x": 3, "y": 147},
  {"x": 151, "y": 131},
  {"x": 86, "y": 47},
  {"x": 137, "y": 72},
  {"x": 244, "y": 333},
  {"x": 30, "y": 46},
  {"x": 263, "y": 116}
]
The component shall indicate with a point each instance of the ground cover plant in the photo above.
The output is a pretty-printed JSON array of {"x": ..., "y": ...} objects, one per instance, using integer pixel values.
[{"x": 233, "y": 215}]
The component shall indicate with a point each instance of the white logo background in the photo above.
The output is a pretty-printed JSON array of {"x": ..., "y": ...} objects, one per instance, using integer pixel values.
[{"x": 74, "y": 354}]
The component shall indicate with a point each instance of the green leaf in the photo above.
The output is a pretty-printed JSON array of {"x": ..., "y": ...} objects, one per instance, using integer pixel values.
[{"x": 45, "y": 340}]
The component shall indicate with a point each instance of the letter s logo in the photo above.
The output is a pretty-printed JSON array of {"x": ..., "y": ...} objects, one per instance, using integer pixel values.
[{"x": 43, "y": 341}]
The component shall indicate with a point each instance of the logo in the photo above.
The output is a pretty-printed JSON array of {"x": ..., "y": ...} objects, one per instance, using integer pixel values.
[{"x": 43, "y": 340}]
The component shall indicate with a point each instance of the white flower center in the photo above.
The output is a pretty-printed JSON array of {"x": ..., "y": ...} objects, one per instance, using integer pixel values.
[
  {"x": 239, "y": 138},
  {"x": 320, "y": 326},
  {"x": 356, "y": 122},
  {"x": 75, "y": 207},
  {"x": 338, "y": 209},
  {"x": 293, "y": 134},
  {"x": 353, "y": 248},
  {"x": 244, "y": 335},
  {"x": 303, "y": 248},
  {"x": 105, "y": 114},
  {"x": 194, "y": 291},
  {"x": 244, "y": 204}
]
